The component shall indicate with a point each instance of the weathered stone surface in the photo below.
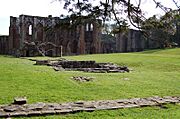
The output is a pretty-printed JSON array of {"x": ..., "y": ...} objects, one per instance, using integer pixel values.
[
  {"x": 37, "y": 106},
  {"x": 13, "y": 108},
  {"x": 42, "y": 62},
  {"x": 48, "y": 112},
  {"x": 89, "y": 109},
  {"x": 63, "y": 111},
  {"x": 77, "y": 109},
  {"x": 16, "y": 114},
  {"x": 33, "y": 113},
  {"x": 20, "y": 100},
  {"x": 82, "y": 78},
  {"x": 4, "y": 114},
  {"x": 89, "y": 105},
  {"x": 130, "y": 41},
  {"x": 77, "y": 40},
  {"x": 52, "y": 106},
  {"x": 172, "y": 99},
  {"x": 114, "y": 71},
  {"x": 131, "y": 106},
  {"x": 58, "y": 68},
  {"x": 73, "y": 107},
  {"x": 86, "y": 66}
]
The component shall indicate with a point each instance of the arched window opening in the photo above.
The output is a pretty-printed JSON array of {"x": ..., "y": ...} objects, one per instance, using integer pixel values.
[
  {"x": 30, "y": 29},
  {"x": 91, "y": 27},
  {"x": 87, "y": 27}
]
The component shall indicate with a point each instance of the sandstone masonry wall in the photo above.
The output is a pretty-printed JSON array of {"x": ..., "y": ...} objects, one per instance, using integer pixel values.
[
  {"x": 130, "y": 41},
  {"x": 4, "y": 44},
  {"x": 80, "y": 39}
]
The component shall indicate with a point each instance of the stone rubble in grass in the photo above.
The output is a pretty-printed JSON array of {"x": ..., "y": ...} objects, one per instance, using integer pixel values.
[
  {"x": 82, "y": 78},
  {"x": 37, "y": 109},
  {"x": 86, "y": 66},
  {"x": 126, "y": 79}
]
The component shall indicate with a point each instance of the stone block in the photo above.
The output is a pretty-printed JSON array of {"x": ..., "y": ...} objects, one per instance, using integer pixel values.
[
  {"x": 64, "y": 111},
  {"x": 13, "y": 108},
  {"x": 34, "y": 113},
  {"x": 4, "y": 114},
  {"x": 65, "y": 106},
  {"x": 146, "y": 103},
  {"x": 51, "y": 106},
  {"x": 37, "y": 106},
  {"x": 77, "y": 109},
  {"x": 20, "y": 100},
  {"x": 103, "y": 107},
  {"x": 131, "y": 106},
  {"x": 58, "y": 68},
  {"x": 17, "y": 114},
  {"x": 47, "y": 112}
]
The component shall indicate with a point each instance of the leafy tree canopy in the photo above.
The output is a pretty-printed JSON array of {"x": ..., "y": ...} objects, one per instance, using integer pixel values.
[
  {"x": 121, "y": 12},
  {"x": 118, "y": 15}
]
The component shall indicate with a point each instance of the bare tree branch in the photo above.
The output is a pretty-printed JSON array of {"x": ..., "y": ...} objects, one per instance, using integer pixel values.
[
  {"x": 176, "y": 3},
  {"x": 158, "y": 4},
  {"x": 41, "y": 47}
]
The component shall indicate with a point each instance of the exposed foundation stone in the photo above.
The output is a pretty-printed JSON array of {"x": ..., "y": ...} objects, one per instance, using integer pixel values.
[
  {"x": 86, "y": 66},
  {"x": 38, "y": 109}
]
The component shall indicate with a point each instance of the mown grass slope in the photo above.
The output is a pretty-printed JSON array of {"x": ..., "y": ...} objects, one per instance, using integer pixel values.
[{"x": 155, "y": 73}]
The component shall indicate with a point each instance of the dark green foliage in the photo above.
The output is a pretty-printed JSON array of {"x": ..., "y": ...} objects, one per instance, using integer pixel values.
[{"x": 163, "y": 30}]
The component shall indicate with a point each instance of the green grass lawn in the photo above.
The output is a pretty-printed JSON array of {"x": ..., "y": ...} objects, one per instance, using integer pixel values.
[{"x": 155, "y": 73}]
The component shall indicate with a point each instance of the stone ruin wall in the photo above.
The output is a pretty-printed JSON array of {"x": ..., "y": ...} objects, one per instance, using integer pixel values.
[
  {"x": 130, "y": 41},
  {"x": 133, "y": 41},
  {"x": 81, "y": 39},
  {"x": 4, "y": 44}
]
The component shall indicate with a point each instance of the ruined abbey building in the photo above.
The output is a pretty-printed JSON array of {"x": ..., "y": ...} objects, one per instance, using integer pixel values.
[
  {"x": 84, "y": 38},
  {"x": 52, "y": 36}
]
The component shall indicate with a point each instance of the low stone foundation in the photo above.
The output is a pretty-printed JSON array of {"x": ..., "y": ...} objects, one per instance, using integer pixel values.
[
  {"x": 73, "y": 107},
  {"x": 86, "y": 66}
]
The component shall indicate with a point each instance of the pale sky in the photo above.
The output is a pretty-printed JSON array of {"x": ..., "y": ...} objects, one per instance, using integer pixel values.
[{"x": 48, "y": 7}]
